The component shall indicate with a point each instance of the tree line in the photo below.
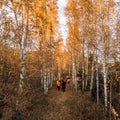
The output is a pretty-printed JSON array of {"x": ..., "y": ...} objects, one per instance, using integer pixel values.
[
  {"x": 32, "y": 54},
  {"x": 93, "y": 43}
]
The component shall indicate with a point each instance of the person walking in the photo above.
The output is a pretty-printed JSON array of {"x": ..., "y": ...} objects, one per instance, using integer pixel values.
[
  {"x": 58, "y": 83},
  {"x": 63, "y": 85}
]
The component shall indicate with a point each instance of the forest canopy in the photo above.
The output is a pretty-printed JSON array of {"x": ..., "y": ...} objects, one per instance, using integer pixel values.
[{"x": 33, "y": 54}]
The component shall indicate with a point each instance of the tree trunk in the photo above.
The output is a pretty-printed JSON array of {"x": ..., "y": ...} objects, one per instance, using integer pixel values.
[
  {"x": 74, "y": 72},
  {"x": 41, "y": 79},
  {"x": 45, "y": 84},
  {"x": 69, "y": 70},
  {"x": 110, "y": 100},
  {"x": 59, "y": 71},
  {"x": 97, "y": 79},
  {"x": 87, "y": 68},
  {"x": 92, "y": 75},
  {"x": 73, "y": 69},
  {"x": 104, "y": 58},
  {"x": 49, "y": 78},
  {"x": 52, "y": 77},
  {"x": 23, "y": 44},
  {"x": 83, "y": 69}
]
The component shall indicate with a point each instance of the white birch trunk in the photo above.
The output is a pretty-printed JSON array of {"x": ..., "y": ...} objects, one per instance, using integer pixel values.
[
  {"x": 97, "y": 79},
  {"x": 52, "y": 78},
  {"x": 83, "y": 69},
  {"x": 110, "y": 100},
  {"x": 87, "y": 69},
  {"x": 45, "y": 84},
  {"x": 103, "y": 59},
  {"x": 92, "y": 75},
  {"x": 74, "y": 73},
  {"x": 105, "y": 81},
  {"x": 69, "y": 70},
  {"x": 59, "y": 71},
  {"x": 73, "y": 70},
  {"x": 92, "y": 69},
  {"x": 49, "y": 80},
  {"x": 75, "y": 80},
  {"x": 23, "y": 45},
  {"x": 22, "y": 71},
  {"x": 42, "y": 82}
]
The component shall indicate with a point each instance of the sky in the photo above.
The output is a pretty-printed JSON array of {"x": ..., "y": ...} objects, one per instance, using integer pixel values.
[
  {"x": 117, "y": 4},
  {"x": 62, "y": 19}
]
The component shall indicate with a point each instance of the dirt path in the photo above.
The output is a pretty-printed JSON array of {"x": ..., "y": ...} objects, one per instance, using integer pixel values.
[
  {"x": 54, "y": 106},
  {"x": 58, "y": 105}
]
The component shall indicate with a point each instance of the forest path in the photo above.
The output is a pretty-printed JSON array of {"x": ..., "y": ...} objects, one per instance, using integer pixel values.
[
  {"x": 60, "y": 109},
  {"x": 59, "y": 105},
  {"x": 56, "y": 105}
]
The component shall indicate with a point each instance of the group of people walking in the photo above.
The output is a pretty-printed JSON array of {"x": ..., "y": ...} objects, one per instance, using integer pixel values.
[{"x": 61, "y": 84}]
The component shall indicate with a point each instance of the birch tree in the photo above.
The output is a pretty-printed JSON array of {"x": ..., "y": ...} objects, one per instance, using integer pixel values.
[{"x": 22, "y": 42}]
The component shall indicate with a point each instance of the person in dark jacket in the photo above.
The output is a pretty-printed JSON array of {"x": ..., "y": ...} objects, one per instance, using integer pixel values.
[{"x": 63, "y": 85}]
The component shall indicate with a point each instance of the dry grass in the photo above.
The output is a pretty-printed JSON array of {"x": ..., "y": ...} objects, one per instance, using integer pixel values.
[{"x": 57, "y": 105}]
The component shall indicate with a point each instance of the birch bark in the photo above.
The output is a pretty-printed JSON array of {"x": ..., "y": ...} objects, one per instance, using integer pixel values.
[
  {"x": 23, "y": 43},
  {"x": 97, "y": 79},
  {"x": 103, "y": 58},
  {"x": 92, "y": 74},
  {"x": 83, "y": 69}
]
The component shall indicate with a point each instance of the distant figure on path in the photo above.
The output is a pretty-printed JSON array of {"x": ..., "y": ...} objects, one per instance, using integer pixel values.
[
  {"x": 68, "y": 81},
  {"x": 58, "y": 83},
  {"x": 63, "y": 85}
]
